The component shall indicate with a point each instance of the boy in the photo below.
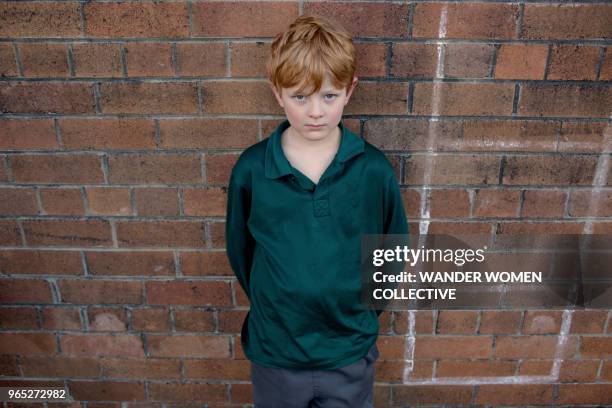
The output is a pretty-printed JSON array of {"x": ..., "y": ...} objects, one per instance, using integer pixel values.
[{"x": 298, "y": 203}]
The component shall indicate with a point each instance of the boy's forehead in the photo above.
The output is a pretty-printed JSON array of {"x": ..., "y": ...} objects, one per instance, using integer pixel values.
[{"x": 327, "y": 85}]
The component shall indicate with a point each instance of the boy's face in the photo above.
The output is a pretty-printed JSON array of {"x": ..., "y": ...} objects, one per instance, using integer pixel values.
[{"x": 323, "y": 107}]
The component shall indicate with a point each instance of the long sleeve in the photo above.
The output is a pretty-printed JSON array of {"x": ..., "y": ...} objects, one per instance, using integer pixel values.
[
  {"x": 240, "y": 244},
  {"x": 395, "y": 226}
]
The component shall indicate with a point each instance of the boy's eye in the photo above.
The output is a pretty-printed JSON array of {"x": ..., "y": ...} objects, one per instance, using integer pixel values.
[{"x": 301, "y": 97}]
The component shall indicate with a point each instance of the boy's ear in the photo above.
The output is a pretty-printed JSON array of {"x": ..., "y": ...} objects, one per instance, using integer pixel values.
[
  {"x": 351, "y": 89},
  {"x": 276, "y": 94}
]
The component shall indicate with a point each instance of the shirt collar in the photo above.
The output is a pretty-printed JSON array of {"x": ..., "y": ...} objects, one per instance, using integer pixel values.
[{"x": 277, "y": 165}]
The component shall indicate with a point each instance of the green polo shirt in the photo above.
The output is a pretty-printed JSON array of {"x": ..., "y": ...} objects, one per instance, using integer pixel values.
[{"x": 295, "y": 248}]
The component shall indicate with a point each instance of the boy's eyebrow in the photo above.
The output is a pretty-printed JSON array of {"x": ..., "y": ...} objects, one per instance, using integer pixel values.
[{"x": 325, "y": 91}]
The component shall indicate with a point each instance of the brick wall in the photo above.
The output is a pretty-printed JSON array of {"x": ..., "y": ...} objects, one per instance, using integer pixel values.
[{"x": 120, "y": 125}]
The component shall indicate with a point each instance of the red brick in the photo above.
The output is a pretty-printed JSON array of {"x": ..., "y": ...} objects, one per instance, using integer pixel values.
[
  {"x": 591, "y": 394},
  {"x": 606, "y": 67},
  {"x": 595, "y": 347},
  {"x": 32, "y": 262},
  {"x": 25, "y": 291},
  {"x": 578, "y": 370},
  {"x": 249, "y": 59},
  {"x": 413, "y": 134},
  {"x": 105, "y": 390},
  {"x": 542, "y": 322},
  {"x": 514, "y": 394},
  {"x": 521, "y": 61},
  {"x": 449, "y": 203},
  {"x": 205, "y": 201},
  {"x": 34, "y": 19},
  {"x": 217, "y": 234},
  {"x": 90, "y": 233},
  {"x": 48, "y": 366},
  {"x": 453, "y": 347},
  {"x": 208, "y": 293},
  {"x": 9, "y": 365},
  {"x": 463, "y": 169},
  {"x": 18, "y": 201},
  {"x": 187, "y": 393},
  {"x": 158, "y": 168},
  {"x": 21, "y": 318},
  {"x": 46, "y": 97},
  {"x": 588, "y": 321},
  {"x": 107, "y": 319},
  {"x": 544, "y": 203},
  {"x": 496, "y": 203},
  {"x": 57, "y": 168},
  {"x": 27, "y": 343},
  {"x": 454, "y": 98},
  {"x": 573, "y": 62},
  {"x": 150, "y": 319},
  {"x": 107, "y": 133},
  {"x": 508, "y": 135},
  {"x": 547, "y": 99},
  {"x": 411, "y": 199},
  {"x": 207, "y": 133},
  {"x": 432, "y": 394},
  {"x": 205, "y": 264},
  {"x": 414, "y": 60},
  {"x": 391, "y": 347},
  {"x": 141, "y": 368},
  {"x": 239, "y": 97},
  {"x": 535, "y": 367},
  {"x": 590, "y": 203},
  {"x": 100, "y": 291},
  {"x": 365, "y": 19},
  {"x": 566, "y": 21},
  {"x": 205, "y": 59},
  {"x": 470, "y": 20},
  {"x": 583, "y": 137},
  {"x": 44, "y": 60},
  {"x": 194, "y": 320},
  {"x": 148, "y": 97},
  {"x": 3, "y": 169},
  {"x": 458, "y": 228},
  {"x": 131, "y": 20},
  {"x": 423, "y": 322},
  {"x": 28, "y": 134},
  {"x": 371, "y": 59},
  {"x": 219, "y": 167},
  {"x": 148, "y": 59},
  {"x": 231, "y": 321},
  {"x": 156, "y": 201},
  {"x": 61, "y": 318},
  {"x": 549, "y": 170},
  {"x": 539, "y": 228},
  {"x": 97, "y": 60},
  {"x": 457, "y": 322},
  {"x": 62, "y": 201},
  {"x": 230, "y": 19},
  {"x": 235, "y": 370},
  {"x": 376, "y": 98},
  {"x": 475, "y": 368},
  {"x": 8, "y": 64},
  {"x": 606, "y": 370},
  {"x": 109, "y": 201},
  {"x": 124, "y": 263},
  {"x": 512, "y": 347},
  {"x": 467, "y": 60},
  {"x": 239, "y": 393},
  {"x": 181, "y": 233},
  {"x": 185, "y": 346}
]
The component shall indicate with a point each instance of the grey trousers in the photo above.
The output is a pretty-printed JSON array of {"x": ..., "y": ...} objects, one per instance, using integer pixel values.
[{"x": 345, "y": 387}]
